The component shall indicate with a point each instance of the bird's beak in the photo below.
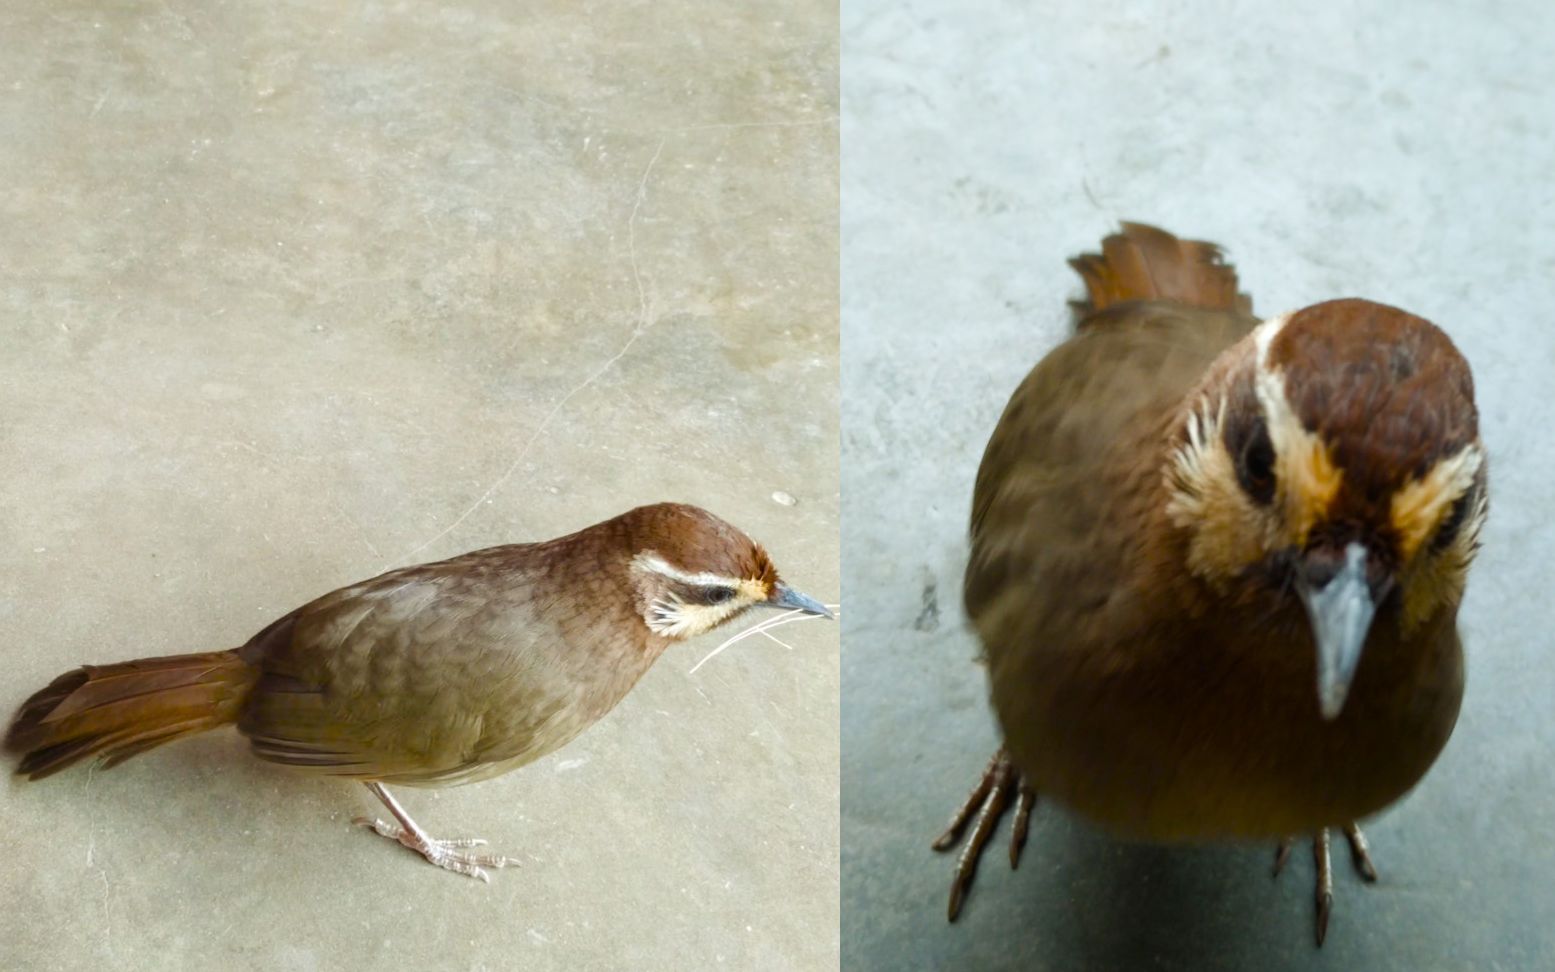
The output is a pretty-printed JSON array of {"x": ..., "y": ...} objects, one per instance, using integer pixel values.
[
  {"x": 784, "y": 596},
  {"x": 1340, "y": 605}
]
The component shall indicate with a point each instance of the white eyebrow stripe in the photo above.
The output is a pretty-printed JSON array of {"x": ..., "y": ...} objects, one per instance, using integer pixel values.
[
  {"x": 650, "y": 561},
  {"x": 1264, "y": 335}
]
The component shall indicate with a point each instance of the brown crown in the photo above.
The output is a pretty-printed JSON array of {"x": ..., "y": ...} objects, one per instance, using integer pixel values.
[
  {"x": 693, "y": 539},
  {"x": 1387, "y": 392}
]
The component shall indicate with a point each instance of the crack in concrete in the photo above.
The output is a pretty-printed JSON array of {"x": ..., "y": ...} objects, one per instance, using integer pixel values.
[{"x": 644, "y": 322}]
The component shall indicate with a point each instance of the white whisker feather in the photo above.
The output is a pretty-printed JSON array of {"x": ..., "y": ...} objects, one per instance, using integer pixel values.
[{"x": 762, "y": 628}]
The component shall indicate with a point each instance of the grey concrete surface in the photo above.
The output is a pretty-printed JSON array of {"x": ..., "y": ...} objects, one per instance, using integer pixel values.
[
  {"x": 291, "y": 293},
  {"x": 1337, "y": 149}
]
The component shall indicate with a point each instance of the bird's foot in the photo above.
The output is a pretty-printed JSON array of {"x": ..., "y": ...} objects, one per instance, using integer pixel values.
[
  {"x": 1001, "y": 782},
  {"x": 446, "y": 854},
  {"x": 1360, "y": 856}
]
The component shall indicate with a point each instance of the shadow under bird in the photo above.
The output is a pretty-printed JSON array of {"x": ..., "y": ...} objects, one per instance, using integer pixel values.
[
  {"x": 431, "y": 675},
  {"x": 1216, "y": 563}
]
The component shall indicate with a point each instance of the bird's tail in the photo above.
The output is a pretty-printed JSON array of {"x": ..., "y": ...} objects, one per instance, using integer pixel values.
[
  {"x": 116, "y": 711},
  {"x": 1145, "y": 263}
]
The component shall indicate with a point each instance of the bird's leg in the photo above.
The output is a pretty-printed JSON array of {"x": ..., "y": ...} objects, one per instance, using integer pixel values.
[
  {"x": 446, "y": 854},
  {"x": 1360, "y": 856},
  {"x": 1000, "y": 782},
  {"x": 1325, "y": 883}
]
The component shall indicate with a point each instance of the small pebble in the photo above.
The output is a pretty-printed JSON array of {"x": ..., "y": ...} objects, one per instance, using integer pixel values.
[{"x": 783, "y": 498}]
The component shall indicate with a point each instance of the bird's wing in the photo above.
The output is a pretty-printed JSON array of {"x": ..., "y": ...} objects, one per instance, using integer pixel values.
[
  {"x": 1080, "y": 440},
  {"x": 398, "y": 678}
]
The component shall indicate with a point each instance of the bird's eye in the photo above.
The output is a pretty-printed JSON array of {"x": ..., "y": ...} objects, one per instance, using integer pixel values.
[
  {"x": 1255, "y": 465},
  {"x": 718, "y": 595},
  {"x": 1448, "y": 531}
]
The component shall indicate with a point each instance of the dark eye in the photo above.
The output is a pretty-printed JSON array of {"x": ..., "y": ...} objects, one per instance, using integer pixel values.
[
  {"x": 1255, "y": 464},
  {"x": 717, "y": 595},
  {"x": 1448, "y": 531}
]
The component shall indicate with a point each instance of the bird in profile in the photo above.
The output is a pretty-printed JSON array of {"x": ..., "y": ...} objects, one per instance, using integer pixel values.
[
  {"x": 432, "y": 675},
  {"x": 1216, "y": 563}
]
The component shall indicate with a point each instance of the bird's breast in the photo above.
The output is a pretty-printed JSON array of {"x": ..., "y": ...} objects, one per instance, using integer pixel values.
[{"x": 1205, "y": 736}]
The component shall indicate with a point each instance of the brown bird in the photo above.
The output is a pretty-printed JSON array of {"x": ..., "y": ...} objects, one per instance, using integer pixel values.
[
  {"x": 1216, "y": 563},
  {"x": 437, "y": 674}
]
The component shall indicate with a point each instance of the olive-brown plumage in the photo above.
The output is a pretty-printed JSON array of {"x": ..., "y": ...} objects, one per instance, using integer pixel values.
[
  {"x": 430, "y": 675},
  {"x": 1185, "y": 521}
]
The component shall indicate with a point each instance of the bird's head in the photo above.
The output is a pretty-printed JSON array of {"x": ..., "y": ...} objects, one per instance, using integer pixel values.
[
  {"x": 694, "y": 572},
  {"x": 1333, "y": 458}
]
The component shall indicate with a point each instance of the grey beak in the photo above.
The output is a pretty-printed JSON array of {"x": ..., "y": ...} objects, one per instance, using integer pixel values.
[
  {"x": 1340, "y": 610},
  {"x": 784, "y": 596}
]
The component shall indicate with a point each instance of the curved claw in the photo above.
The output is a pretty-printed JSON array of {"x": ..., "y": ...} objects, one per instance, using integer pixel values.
[
  {"x": 1360, "y": 853},
  {"x": 393, "y": 832},
  {"x": 446, "y": 854},
  {"x": 1000, "y": 783},
  {"x": 1282, "y": 854},
  {"x": 1360, "y": 856}
]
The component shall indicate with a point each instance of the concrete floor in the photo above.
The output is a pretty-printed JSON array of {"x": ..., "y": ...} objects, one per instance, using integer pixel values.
[
  {"x": 1337, "y": 149},
  {"x": 293, "y": 293}
]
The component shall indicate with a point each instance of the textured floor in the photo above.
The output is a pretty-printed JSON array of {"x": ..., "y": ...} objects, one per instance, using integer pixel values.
[
  {"x": 1337, "y": 149},
  {"x": 293, "y": 293}
]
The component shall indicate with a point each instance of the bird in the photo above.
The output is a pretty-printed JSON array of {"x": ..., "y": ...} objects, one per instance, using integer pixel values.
[
  {"x": 1216, "y": 562},
  {"x": 431, "y": 675}
]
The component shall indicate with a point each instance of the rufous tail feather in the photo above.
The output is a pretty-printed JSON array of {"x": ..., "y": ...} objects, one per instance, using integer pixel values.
[
  {"x": 1145, "y": 263},
  {"x": 116, "y": 711}
]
